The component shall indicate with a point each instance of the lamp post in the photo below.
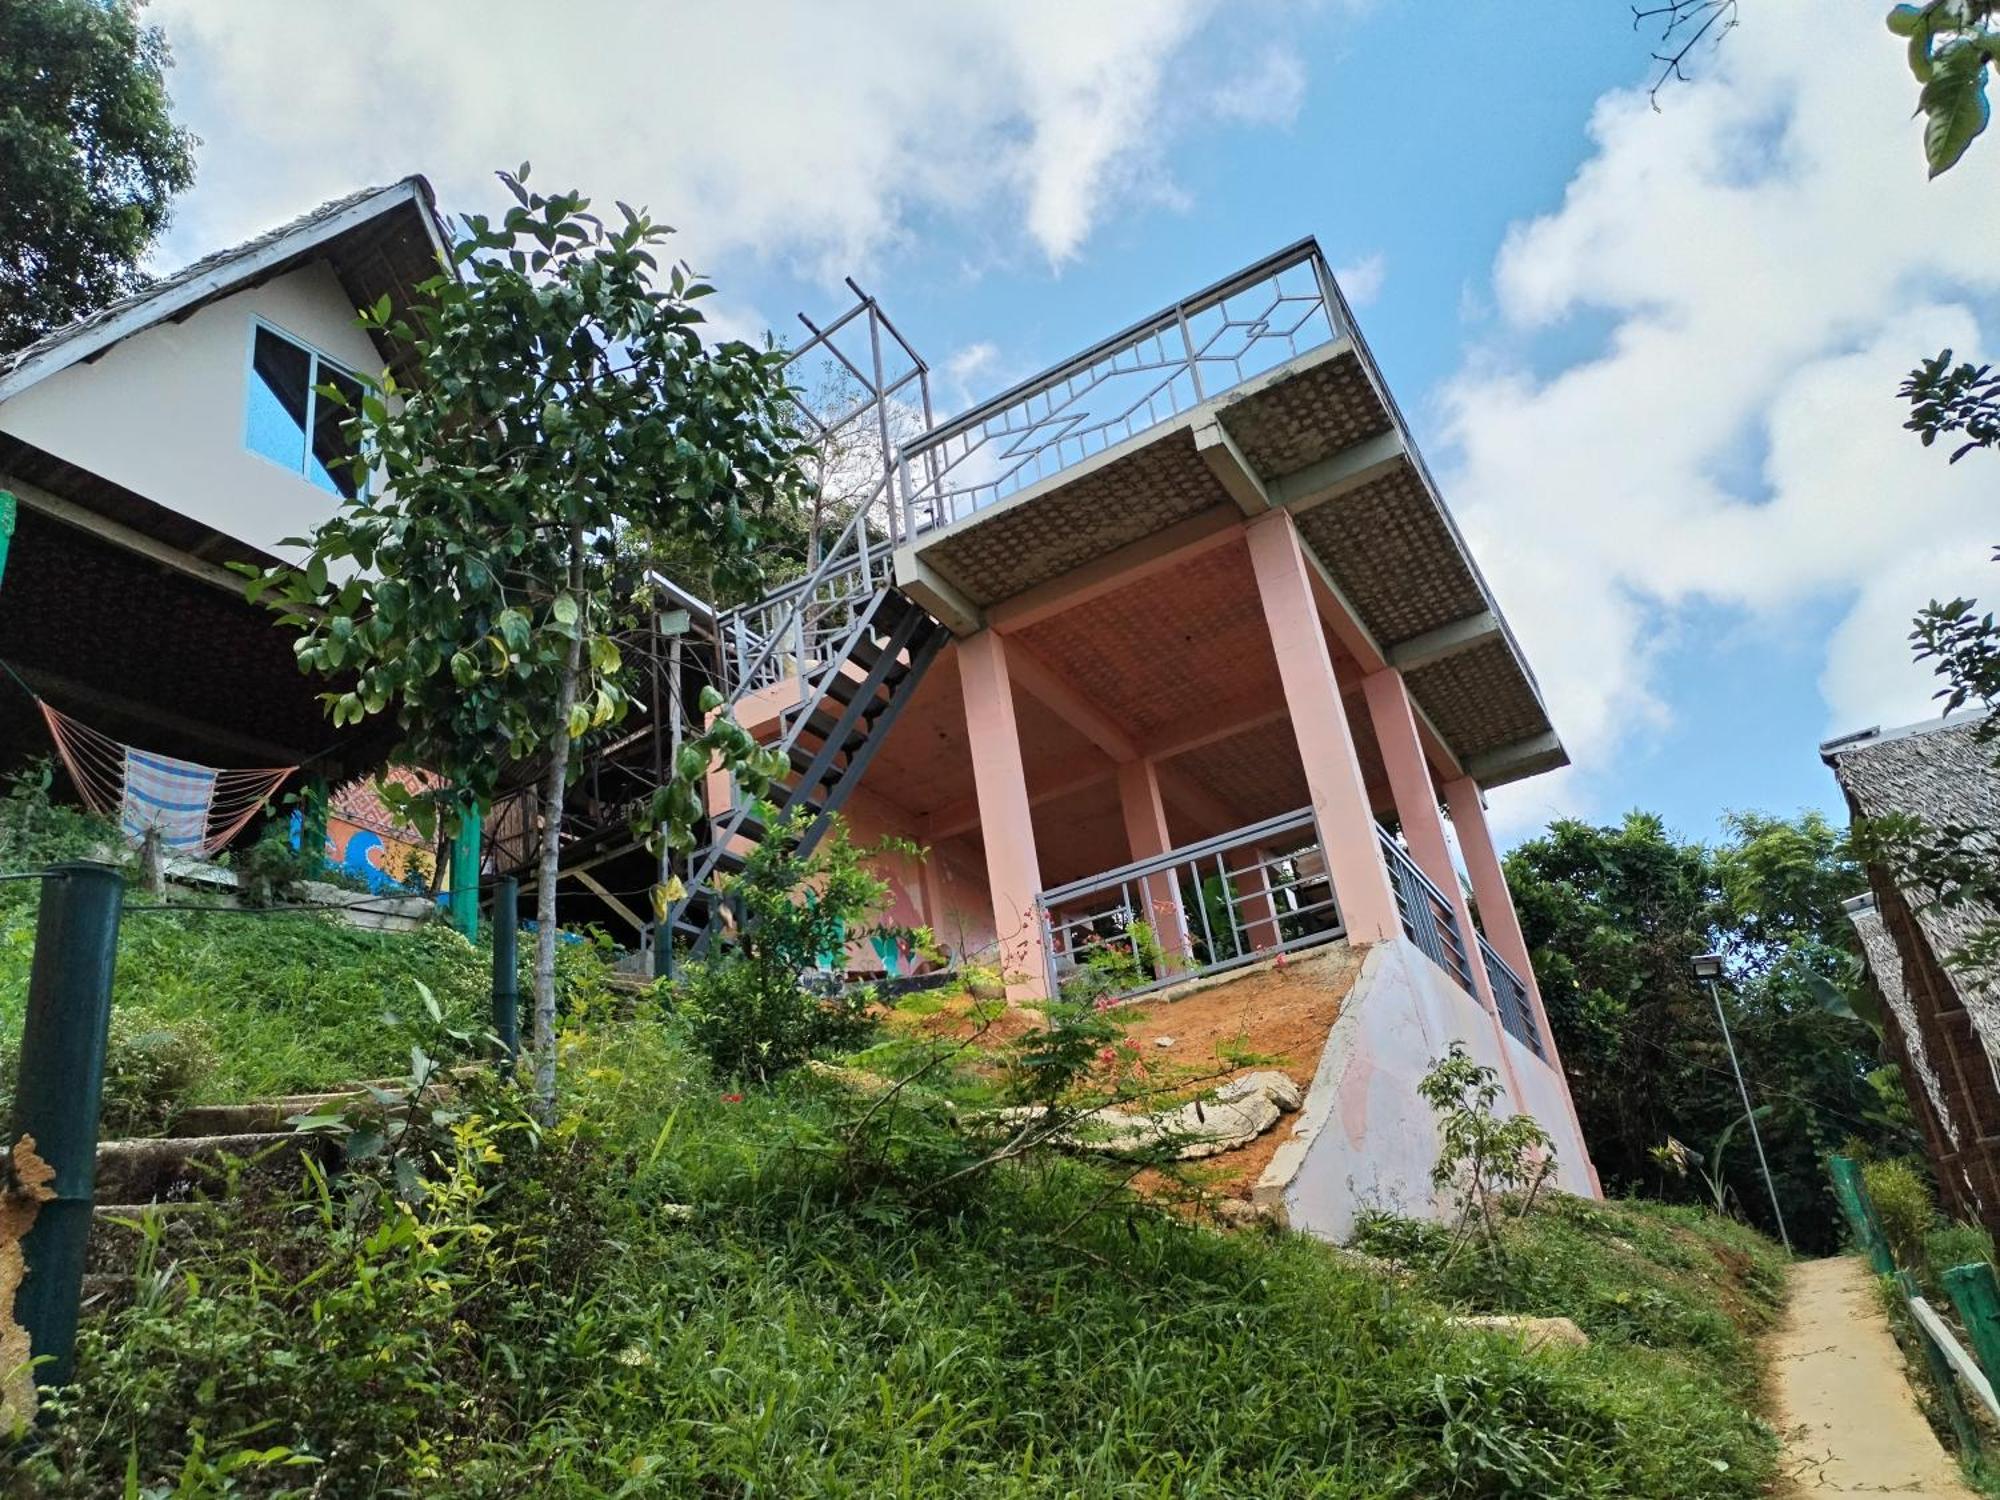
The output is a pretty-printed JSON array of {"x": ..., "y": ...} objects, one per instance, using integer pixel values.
[{"x": 1708, "y": 969}]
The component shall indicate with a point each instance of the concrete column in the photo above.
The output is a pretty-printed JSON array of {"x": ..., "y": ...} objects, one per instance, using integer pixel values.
[
  {"x": 1503, "y": 925},
  {"x": 1000, "y": 784},
  {"x": 1416, "y": 796},
  {"x": 1145, "y": 836},
  {"x": 1333, "y": 774}
]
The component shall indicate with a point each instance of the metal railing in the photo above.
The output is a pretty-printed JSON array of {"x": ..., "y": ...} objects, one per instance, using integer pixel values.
[
  {"x": 1429, "y": 920},
  {"x": 788, "y": 633},
  {"x": 1242, "y": 896},
  {"x": 1517, "y": 1011},
  {"x": 1154, "y": 371}
]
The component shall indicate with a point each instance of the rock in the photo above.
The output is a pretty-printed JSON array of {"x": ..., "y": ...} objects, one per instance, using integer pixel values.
[
  {"x": 1241, "y": 1213},
  {"x": 1163, "y": 1041},
  {"x": 1275, "y": 1086},
  {"x": 1534, "y": 1333}
]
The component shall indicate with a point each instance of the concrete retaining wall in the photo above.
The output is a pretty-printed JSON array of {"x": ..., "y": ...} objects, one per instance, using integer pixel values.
[{"x": 1365, "y": 1138}]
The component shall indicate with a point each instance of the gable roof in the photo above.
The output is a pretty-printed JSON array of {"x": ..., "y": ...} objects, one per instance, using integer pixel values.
[
  {"x": 381, "y": 239},
  {"x": 1942, "y": 772}
]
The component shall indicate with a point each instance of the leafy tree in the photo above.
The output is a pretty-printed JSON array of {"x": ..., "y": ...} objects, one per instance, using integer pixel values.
[
  {"x": 566, "y": 423},
  {"x": 90, "y": 158},
  {"x": 1615, "y": 916}
]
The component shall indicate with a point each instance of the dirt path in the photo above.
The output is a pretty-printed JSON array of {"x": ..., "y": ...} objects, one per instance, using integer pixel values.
[{"x": 1850, "y": 1424}]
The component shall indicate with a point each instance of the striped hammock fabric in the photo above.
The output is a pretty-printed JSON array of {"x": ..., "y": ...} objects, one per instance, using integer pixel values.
[
  {"x": 172, "y": 797},
  {"x": 196, "y": 809}
]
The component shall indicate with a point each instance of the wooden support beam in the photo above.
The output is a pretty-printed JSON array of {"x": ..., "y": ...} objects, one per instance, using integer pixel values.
[
  {"x": 596, "y": 888},
  {"x": 56, "y": 508},
  {"x": 1231, "y": 469},
  {"x": 252, "y": 750},
  {"x": 1445, "y": 641}
]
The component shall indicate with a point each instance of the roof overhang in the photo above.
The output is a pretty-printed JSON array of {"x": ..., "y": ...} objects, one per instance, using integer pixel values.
[
  {"x": 1319, "y": 436},
  {"x": 380, "y": 241}
]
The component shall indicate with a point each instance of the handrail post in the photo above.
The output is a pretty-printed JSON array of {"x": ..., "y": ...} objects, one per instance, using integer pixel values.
[
  {"x": 59, "y": 1091},
  {"x": 506, "y": 970},
  {"x": 1975, "y": 1292}
]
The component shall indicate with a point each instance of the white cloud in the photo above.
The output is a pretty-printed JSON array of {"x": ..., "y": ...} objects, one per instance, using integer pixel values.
[
  {"x": 1361, "y": 283},
  {"x": 1267, "y": 92},
  {"x": 818, "y": 134},
  {"x": 1768, "y": 259}
]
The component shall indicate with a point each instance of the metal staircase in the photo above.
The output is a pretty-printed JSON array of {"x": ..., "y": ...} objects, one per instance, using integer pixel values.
[{"x": 858, "y": 650}]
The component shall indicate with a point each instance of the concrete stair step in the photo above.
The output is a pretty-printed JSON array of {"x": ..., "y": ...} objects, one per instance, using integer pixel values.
[{"x": 170, "y": 1168}]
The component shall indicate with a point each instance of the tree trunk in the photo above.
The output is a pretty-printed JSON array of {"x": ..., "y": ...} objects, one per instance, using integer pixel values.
[{"x": 545, "y": 885}]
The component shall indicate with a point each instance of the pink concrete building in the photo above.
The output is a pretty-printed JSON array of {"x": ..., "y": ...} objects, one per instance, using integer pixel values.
[{"x": 1180, "y": 632}]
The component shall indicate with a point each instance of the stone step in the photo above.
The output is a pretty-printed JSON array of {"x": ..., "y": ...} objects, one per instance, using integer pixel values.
[{"x": 174, "y": 1168}]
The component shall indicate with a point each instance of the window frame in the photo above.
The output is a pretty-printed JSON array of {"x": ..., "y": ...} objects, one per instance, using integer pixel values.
[{"x": 316, "y": 357}]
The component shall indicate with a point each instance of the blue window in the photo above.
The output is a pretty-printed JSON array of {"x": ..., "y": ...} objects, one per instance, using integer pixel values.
[{"x": 290, "y": 421}]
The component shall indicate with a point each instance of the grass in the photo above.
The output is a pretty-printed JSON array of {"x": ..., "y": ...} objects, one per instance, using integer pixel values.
[{"x": 698, "y": 1302}]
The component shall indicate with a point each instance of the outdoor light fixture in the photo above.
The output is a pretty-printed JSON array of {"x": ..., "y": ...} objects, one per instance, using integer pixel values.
[{"x": 1708, "y": 969}]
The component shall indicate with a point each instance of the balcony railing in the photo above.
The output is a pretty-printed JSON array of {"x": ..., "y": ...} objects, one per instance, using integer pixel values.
[
  {"x": 1156, "y": 370},
  {"x": 1429, "y": 919},
  {"x": 1230, "y": 900},
  {"x": 1517, "y": 1011}
]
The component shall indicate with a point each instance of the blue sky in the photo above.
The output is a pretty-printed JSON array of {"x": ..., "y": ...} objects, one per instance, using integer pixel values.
[{"x": 1652, "y": 356}]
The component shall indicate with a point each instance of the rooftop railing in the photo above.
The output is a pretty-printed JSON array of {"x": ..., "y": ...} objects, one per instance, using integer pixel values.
[
  {"x": 1249, "y": 894},
  {"x": 1154, "y": 371},
  {"x": 1429, "y": 919}
]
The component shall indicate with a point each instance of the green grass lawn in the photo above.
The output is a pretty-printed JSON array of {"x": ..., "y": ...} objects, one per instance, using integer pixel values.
[{"x": 677, "y": 1290}]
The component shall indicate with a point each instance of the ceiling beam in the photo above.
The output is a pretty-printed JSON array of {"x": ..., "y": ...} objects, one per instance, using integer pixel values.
[
  {"x": 254, "y": 751},
  {"x": 1211, "y": 734},
  {"x": 1231, "y": 469},
  {"x": 56, "y": 508},
  {"x": 947, "y": 605},
  {"x": 1510, "y": 761},
  {"x": 1048, "y": 687},
  {"x": 954, "y": 818},
  {"x": 1445, "y": 641},
  {"x": 1334, "y": 476},
  {"x": 1130, "y": 564}
]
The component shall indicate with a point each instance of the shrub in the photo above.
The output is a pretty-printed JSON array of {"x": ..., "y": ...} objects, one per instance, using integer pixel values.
[
  {"x": 749, "y": 1009},
  {"x": 152, "y": 1071},
  {"x": 1957, "y": 1245},
  {"x": 1903, "y": 1207}
]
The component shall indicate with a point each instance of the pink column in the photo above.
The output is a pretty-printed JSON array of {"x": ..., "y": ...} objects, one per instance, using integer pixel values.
[
  {"x": 1416, "y": 796},
  {"x": 1000, "y": 784},
  {"x": 1503, "y": 926},
  {"x": 1145, "y": 836},
  {"x": 1333, "y": 774}
]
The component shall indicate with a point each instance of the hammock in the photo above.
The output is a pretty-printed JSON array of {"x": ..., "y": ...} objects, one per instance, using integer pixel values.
[{"x": 195, "y": 809}]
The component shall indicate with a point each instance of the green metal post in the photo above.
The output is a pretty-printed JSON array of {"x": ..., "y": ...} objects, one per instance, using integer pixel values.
[
  {"x": 465, "y": 872},
  {"x": 312, "y": 822},
  {"x": 1975, "y": 1292},
  {"x": 1852, "y": 1192},
  {"x": 1943, "y": 1377},
  {"x": 10, "y": 510},
  {"x": 506, "y": 969},
  {"x": 59, "y": 1088}
]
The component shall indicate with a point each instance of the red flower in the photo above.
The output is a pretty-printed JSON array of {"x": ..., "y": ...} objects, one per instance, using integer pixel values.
[
  {"x": 1108, "y": 1056},
  {"x": 732, "y": 1098}
]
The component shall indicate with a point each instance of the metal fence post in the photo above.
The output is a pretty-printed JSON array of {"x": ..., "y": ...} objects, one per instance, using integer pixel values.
[
  {"x": 1975, "y": 1292},
  {"x": 506, "y": 969},
  {"x": 58, "y": 1091},
  {"x": 1852, "y": 1193},
  {"x": 465, "y": 870}
]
